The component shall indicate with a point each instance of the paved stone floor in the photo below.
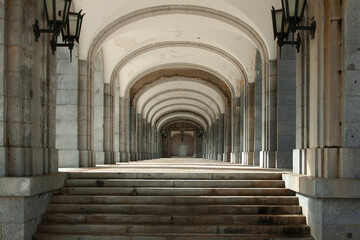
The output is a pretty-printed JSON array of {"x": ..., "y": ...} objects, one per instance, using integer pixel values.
[{"x": 174, "y": 165}]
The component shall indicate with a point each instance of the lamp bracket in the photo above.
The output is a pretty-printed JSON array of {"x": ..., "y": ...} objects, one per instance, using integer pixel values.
[
  {"x": 310, "y": 28},
  {"x": 37, "y": 31}
]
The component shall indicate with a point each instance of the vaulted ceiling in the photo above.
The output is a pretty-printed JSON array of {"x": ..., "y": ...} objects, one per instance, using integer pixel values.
[{"x": 178, "y": 59}]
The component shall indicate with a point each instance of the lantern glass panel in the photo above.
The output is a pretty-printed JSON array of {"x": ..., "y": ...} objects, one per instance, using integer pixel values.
[
  {"x": 79, "y": 24},
  {"x": 73, "y": 20},
  {"x": 60, "y": 7},
  {"x": 49, "y": 10},
  {"x": 278, "y": 17},
  {"x": 301, "y": 8},
  {"x": 291, "y": 6}
]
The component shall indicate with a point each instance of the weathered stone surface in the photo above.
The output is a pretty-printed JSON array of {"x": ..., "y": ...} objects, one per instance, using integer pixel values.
[
  {"x": 13, "y": 231},
  {"x": 351, "y": 135},
  {"x": 67, "y": 141},
  {"x": 322, "y": 187},
  {"x": 69, "y": 158},
  {"x": 352, "y": 231},
  {"x": 28, "y": 186},
  {"x": 349, "y": 167}
]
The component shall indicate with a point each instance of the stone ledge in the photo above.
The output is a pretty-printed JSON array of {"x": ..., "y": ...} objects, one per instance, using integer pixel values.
[
  {"x": 323, "y": 187},
  {"x": 29, "y": 186}
]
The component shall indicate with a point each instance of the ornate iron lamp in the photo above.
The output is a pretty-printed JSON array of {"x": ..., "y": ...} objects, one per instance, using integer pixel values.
[
  {"x": 59, "y": 19},
  {"x": 293, "y": 15},
  {"x": 56, "y": 12},
  {"x": 281, "y": 29},
  {"x": 70, "y": 32},
  {"x": 289, "y": 19}
]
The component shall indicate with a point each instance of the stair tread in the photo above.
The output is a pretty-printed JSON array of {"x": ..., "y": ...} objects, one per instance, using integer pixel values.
[{"x": 178, "y": 236}]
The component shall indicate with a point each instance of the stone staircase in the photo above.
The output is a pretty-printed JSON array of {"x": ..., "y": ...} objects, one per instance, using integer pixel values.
[{"x": 104, "y": 206}]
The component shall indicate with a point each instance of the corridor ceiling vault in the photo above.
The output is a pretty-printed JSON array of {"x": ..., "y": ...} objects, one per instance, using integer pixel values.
[{"x": 201, "y": 51}]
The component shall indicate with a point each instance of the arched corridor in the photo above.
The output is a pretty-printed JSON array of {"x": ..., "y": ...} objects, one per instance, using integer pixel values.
[{"x": 202, "y": 84}]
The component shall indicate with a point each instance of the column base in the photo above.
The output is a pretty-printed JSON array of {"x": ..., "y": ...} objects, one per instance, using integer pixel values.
[
  {"x": 117, "y": 157},
  {"x": 327, "y": 162},
  {"x": 235, "y": 158},
  {"x": 87, "y": 158},
  {"x": 220, "y": 157},
  {"x": 257, "y": 158},
  {"x": 226, "y": 157},
  {"x": 124, "y": 157},
  {"x": 247, "y": 158},
  {"x": 109, "y": 158},
  {"x": 133, "y": 156},
  {"x": 267, "y": 159}
]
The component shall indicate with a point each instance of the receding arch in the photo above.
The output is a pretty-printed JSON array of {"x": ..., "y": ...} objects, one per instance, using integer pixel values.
[
  {"x": 171, "y": 44},
  {"x": 185, "y": 70},
  {"x": 183, "y": 121},
  {"x": 181, "y": 84},
  {"x": 179, "y": 94},
  {"x": 177, "y": 100},
  {"x": 182, "y": 108},
  {"x": 181, "y": 116}
]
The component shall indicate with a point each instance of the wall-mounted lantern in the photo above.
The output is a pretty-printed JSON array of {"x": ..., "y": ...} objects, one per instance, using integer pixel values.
[
  {"x": 56, "y": 12},
  {"x": 59, "y": 19},
  {"x": 288, "y": 20},
  {"x": 70, "y": 31}
]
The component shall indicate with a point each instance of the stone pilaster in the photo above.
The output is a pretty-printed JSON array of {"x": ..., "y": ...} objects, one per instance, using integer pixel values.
[
  {"x": 85, "y": 131},
  {"x": 235, "y": 131},
  {"x": 133, "y": 134},
  {"x": 269, "y": 137},
  {"x": 108, "y": 128},
  {"x": 98, "y": 96},
  {"x": 195, "y": 144},
  {"x": 220, "y": 144},
  {"x": 258, "y": 108},
  {"x": 227, "y": 135},
  {"x": 124, "y": 129},
  {"x": 248, "y": 153},
  {"x": 139, "y": 137}
]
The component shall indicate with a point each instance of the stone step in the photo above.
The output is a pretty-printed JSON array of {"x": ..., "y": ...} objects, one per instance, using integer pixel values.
[
  {"x": 174, "y": 209},
  {"x": 260, "y": 219},
  {"x": 247, "y": 200},
  {"x": 143, "y": 229},
  {"x": 177, "y": 236},
  {"x": 155, "y": 191},
  {"x": 174, "y": 183},
  {"x": 259, "y": 175}
]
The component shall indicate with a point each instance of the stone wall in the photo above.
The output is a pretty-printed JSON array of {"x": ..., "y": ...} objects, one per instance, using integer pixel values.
[
  {"x": 3, "y": 104},
  {"x": 286, "y": 107},
  {"x": 67, "y": 107},
  {"x": 349, "y": 159},
  {"x": 258, "y": 109},
  {"x": 99, "y": 108}
]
